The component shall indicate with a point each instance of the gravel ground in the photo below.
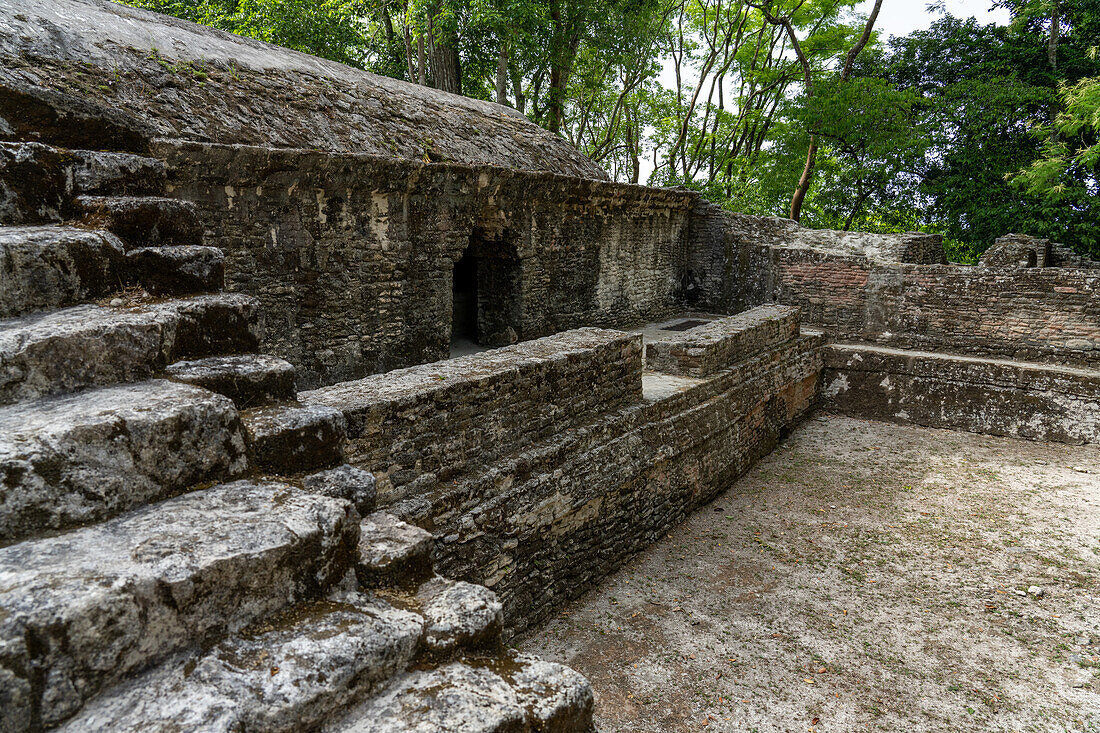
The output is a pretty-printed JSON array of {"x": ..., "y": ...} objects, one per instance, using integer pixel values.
[{"x": 865, "y": 576}]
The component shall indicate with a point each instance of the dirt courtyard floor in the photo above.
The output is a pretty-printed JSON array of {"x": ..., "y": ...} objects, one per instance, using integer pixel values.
[{"x": 865, "y": 576}]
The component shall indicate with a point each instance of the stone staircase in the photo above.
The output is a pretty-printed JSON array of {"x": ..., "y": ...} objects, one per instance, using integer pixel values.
[{"x": 182, "y": 546}]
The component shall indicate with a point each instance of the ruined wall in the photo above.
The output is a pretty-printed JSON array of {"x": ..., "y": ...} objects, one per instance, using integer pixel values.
[
  {"x": 352, "y": 256},
  {"x": 1048, "y": 314},
  {"x": 997, "y": 397},
  {"x": 419, "y": 428},
  {"x": 541, "y": 521}
]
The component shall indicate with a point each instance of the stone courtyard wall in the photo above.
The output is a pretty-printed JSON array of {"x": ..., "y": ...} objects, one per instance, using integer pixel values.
[
  {"x": 555, "y": 504},
  {"x": 1049, "y": 314},
  {"x": 352, "y": 255}
]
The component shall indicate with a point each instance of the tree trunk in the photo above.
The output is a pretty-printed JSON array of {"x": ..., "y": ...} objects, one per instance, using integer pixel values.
[
  {"x": 517, "y": 90},
  {"x": 502, "y": 74},
  {"x": 446, "y": 72},
  {"x": 1052, "y": 57},
  {"x": 804, "y": 182}
]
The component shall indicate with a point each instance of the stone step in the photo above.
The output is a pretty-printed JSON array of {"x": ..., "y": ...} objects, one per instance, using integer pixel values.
[
  {"x": 291, "y": 439},
  {"x": 178, "y": 270},
  {"x": 84, "y": 457},
  {"x": 393, "y": 553},
  {"x": 459, "y": 615},
  {"x": 345, "y": 482},
  {"x": 96, "y": 172},
  {"x": 286, "y": 674},
  {"x": 54, "y": 266},
  {"x": 250, "y": 380},
  {"x": 81, "y": 610},
  {"x": 142, "y": 221},
  {"x": 65, "y": 350},
  {"x": 510, "y": 694},
  {"x": 34, "y": 187}
]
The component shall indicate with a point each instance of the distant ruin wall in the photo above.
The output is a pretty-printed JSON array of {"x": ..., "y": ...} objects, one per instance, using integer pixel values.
[
  {"x": 541, "y": 522},
  {"x": 352, "y": 255},
  {"x": 996, "y": 397},
  {"x": 1048, "y": 314}
]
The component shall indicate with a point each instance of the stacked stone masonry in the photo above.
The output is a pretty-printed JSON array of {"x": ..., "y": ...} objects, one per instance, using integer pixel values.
[
  {"x": 584, "y": 470},
  {"x": 150, "y": 578},
  {"x": 189, "y": 543}
]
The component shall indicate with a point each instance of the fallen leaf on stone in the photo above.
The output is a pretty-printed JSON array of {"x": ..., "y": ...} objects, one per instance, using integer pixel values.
[
  {"x": 815, "y": 721},
  {"x": 808, "y": 681}
]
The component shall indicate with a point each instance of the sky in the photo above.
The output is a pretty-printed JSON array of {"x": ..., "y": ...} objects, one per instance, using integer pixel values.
[{"x": 902, "y": 17}]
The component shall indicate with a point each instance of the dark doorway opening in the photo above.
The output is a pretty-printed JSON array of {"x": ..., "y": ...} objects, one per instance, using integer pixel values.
[
  {"x": 486, "y": 295},
  {"x": 464, "y": 297}
]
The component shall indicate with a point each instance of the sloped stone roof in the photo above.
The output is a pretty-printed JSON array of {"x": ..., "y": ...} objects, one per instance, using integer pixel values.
[{"x": 92, "y": 73}]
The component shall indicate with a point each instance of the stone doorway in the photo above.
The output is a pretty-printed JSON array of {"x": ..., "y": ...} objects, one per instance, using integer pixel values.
[{"x": 485, "y": 290}]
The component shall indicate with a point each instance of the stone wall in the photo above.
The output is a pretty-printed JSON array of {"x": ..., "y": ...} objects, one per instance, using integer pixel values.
[
  {"x": 1047, "y": 314},
  {"x": 422, "y": 427},
  {"x": 708, "y": 348},
  {"x": 352, "y": 255},
  {"x": 997, "y": 397},
  {"x": 1050, "y": 314},
  {"x": 540, "y": 521}
]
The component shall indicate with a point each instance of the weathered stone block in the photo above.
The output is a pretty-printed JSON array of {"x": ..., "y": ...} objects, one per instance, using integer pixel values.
[
  {"x": 81, "y": 610},
  {"x": 459, "y": 615},
  {"x": 344, "y": 482},
  {"x": 96, "y": 172},
  {"x": 53, "y": 266},
  {"x": 250, "y": 380},
  {"x": 292, "y": 439},
  {"x": 143, "y": 221},
  {"x": 285, "y": 674},
  {"x": 392, "y": 552},
  {"x": 177, "y": 270},
  {"x": 457, "y": 698},
  {"x": 89, "y": 456},
  {"x": 60, "y": 351}
]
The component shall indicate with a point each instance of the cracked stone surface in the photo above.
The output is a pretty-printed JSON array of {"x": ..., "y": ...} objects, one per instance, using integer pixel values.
[
  {"x": 459, "y": 614},
  {"x": 88, "y": 456},
  {"x": 80, "y": 610},
  {"x": 284, "y": 674},
  {"x": 54, "y": 266}
]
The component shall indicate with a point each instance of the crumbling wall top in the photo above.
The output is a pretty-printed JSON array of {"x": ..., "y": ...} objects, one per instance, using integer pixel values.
[{"x": 92, "y": 73}]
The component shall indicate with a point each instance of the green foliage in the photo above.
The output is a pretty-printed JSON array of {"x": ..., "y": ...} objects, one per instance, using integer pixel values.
[{"x": 327, "y": 28}]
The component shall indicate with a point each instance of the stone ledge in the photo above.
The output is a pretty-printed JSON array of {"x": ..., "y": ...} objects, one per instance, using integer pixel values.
[
  {"x": 708, "y": 348},
  {"x": 994, "y": 396}
]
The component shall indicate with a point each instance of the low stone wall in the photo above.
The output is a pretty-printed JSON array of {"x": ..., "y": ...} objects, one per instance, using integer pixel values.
[
  {"x": 545, "y": 525},
  {"x": 705, "y": 349},
  {"x": 420, "y": 428},
  {"x": 1048, "y": 314},
  {"x": 540, "y": 467},
  {"x": 352, "y": 256},
  {"x": 1016, "y": 399}
]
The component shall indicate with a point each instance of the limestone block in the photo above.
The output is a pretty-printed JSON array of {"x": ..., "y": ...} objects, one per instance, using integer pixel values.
[
  {"x": 459, "y": 614},
  {"x": 250, "y": 380},
  {"x": 54, "y": 266},
  {"x": 392, "y": 552},
  {"x": 91, "y": 455},
  {"x": 80, "y": 610},
  {"x": 177, "y": 270},
  {"x": 284, "y": 674},
  {"x": 292, "y": 439}
]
